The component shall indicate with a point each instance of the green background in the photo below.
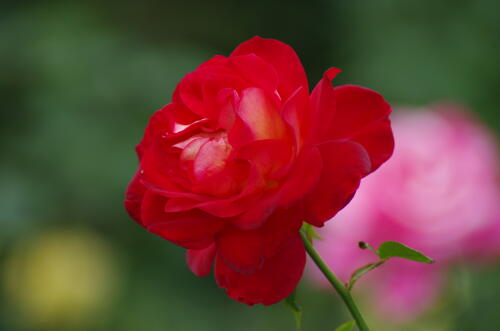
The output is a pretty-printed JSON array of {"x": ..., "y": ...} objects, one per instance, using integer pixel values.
[{"x": 79, "y": 81}]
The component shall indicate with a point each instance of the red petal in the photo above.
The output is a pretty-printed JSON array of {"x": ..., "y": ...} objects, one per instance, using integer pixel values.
[
  {"x": 158, "y": 124},
  {"x": 179, "y": 134},
  {"x": 344, "y": 164},
  {"x": 133, "y": 198},
  {"x": 190, "y": 90},
  {"x": 353, "y": 113},
  {"x": 240, "y": 133},
  {"x": 282, "y": 225},
  {"x": 323, "y": 106},
  {"x": 245, "y": 250},
  {"x": 227, "y": 99},
  {"x": 214, "y": 83},
  {"x": 174, "y": 193},
  {"x": 242, "y": 251},
  {"x": 226, "y": 183},
  {"x": 302, "y": 178},
  {"x": 182, "y": 115},
  {"x": 272, "y": 283},
  {"x": 153, "y": 209},
  {"x": 282, "y": 57},
  {"x": 256, "y": 71},
  {"x": 216, "y": 61},
  {"x": 362, "y": 115},
  {"x": 159, "y": 160},
  {"x": 271, "y": 156},
  {"x": 200, "y": 261},
  {"x": 378, "y": 140},
  {"x": 198, "y": 90},
  {"x": 229, "y": 207},
  {"x": 192, "y": 229},
  {"x": 160, "y": 168},
  {"x": 257, "y": 213},
  {"x": 295, "y": 111}
]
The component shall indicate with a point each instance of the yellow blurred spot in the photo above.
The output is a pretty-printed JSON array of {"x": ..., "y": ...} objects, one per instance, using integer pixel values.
[{"x": 60, "y": 278}]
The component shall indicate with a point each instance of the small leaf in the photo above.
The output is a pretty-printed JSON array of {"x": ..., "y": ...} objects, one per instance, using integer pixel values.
[
  {"x": 296, "y": 309},
  {"x": 394, "y": 249},
  {"x": 347, "y": 326},
  {"x": 310, "y": 232},
  {"x": 358, "y": 273}
]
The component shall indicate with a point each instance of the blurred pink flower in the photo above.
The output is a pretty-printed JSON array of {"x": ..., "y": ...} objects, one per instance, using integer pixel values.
[{"x": 439, "y": 194}]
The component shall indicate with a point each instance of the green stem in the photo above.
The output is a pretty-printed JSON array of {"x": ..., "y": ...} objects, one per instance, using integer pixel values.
[{"x": 336, "y": 283}]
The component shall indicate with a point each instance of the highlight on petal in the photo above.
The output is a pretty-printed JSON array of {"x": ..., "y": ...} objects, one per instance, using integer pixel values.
[
  {"x": 211, "y": 157},
  {"x": 227, "y": 100},
  {"x": 295, "y": 112},
  {"x": 275, "y": 281},
  {"x": 260, "y": 115}
]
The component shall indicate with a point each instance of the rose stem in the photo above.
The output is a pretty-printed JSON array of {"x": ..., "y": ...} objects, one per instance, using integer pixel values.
[{"x": 336, "y": 283}]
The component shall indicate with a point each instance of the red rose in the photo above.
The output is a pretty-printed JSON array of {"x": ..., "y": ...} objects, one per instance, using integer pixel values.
[{"x": 244, "y": 154}]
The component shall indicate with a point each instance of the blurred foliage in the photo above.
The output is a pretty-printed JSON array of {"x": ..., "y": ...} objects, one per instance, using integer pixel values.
[{"x": 79, "y": 81}]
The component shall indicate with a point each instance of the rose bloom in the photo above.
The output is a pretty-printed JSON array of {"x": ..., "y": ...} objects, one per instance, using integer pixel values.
[
  {"x": 244, "y": 154},
  {"x": 439, "y": 194}
]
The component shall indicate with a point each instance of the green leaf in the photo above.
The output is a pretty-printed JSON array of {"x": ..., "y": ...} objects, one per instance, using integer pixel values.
[
  {"x": 358, "y": 273},
  {"x": 347, "y": 326},
  {"x": 310, "y": 232},
  {"x": 296, "y": 309},
  {"x": 390, "y": 249}
]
